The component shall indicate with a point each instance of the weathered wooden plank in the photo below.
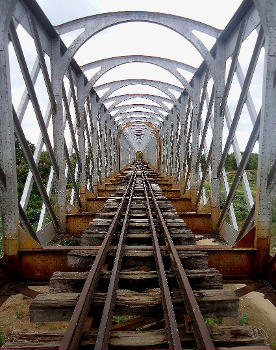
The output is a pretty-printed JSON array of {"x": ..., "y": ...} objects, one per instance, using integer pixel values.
[
  {"x": 81, "y": 260},
  {"x": 59, "y": 307},
  {"x": 134, "y": 280},
  {"x": 237, "y": 338}
]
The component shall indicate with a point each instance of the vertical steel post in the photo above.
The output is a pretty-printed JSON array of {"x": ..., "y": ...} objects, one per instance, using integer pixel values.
[
  {"x": 267, "y": 137},
  {"x": 113, "y": 138},
  {"x": 108, "y": 149},
  {"x": 82, "y": 149},
  {"x": 80, "y": 110},
  {"x": 102, "y": 141},
  {"x": 174, "y": 139},
  {"x": 58, "y": 134},
  {"x": 9, "y": 201},
  {"x": 217, "y": 134},
  {"x": 184, "y": 118},
  {"x": 195, "y": 141},
  {"x": 94, "y": 113}
]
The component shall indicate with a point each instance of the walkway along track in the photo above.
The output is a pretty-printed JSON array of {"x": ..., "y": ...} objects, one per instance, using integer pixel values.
[{"x": 162, "y": 296}]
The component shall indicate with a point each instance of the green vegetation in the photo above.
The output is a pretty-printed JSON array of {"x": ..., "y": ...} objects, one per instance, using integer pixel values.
[
  {"x": 121, "y": 319},
  {"x": 19, "y": 314},
  {"x": 230, "y": 163},
  {"x": 35, "y": 201},
  {"x": 69, "y": 242},
  {"x": 22, "y": 169},
  {"x": 139, "y": 155},
  {"x": 239, "y": 200},
  {"x": 243, "y": 319},
  {"x": 213, "y": 321},
  {"x": 44, "y": 167},
  {"x": 2, "y": 337}
]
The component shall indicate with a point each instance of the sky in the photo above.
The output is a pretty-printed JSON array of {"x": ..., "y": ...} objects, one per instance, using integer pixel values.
[
  {"x": 140, "y": 39},
  {"x": 201, "y": 10}
]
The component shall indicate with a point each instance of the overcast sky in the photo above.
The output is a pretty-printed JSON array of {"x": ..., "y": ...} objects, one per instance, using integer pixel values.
[{"x": 138, "y": 38}]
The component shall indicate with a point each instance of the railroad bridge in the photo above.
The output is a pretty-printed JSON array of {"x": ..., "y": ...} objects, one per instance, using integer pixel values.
[{"x": 104, "y": 144}]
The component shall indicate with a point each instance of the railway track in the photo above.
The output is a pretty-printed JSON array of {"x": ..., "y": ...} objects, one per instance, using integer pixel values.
[{"x": 138, "y": 273}]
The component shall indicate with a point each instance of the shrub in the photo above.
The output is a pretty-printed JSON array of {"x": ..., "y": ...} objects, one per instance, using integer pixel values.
[
  {"x": 240, "y": 206},
  {"x": 68, "y": 242},
  {"x": 2, "y": 337},
  {"x": 213, "y": 321},
  {"x": 18, "y": 313},
  {"x": 243, "y": 319}
]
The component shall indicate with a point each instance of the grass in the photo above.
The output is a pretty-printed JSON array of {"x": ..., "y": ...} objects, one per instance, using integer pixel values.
[
  {"x": 243, "y": 321},
  {"x": 69, "y": 242},
  {"x": 121, "y": 319},
  {"x": 213, "y": 321},
  {"x": 2, "y": 337},
  {"x": 19, "y": 314}
]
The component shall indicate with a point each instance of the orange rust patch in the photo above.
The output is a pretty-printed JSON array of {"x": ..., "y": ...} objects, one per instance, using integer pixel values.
[{"x": 77, "y": 223}]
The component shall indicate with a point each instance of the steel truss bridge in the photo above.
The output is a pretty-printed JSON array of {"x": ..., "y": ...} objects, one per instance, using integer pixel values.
[{"x": 91, "y": 133}]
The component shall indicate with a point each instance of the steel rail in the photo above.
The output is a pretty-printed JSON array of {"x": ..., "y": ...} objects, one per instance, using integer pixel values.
[
  {"x": 169, "y": 315},
  {"x": 202, "y": 335},
  {"x": 106, "y": 320},
  {"x": 73, "y": 332}
]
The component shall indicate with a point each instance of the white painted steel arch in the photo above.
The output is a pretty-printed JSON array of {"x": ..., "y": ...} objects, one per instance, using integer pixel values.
[
  {"x": 109, "y": 63},
  {"x": 125, "y": 108},
  {"x": 122, "y": 98},
  {"x": 95, "y": 24},
  {"x": 158, "y": 117},
  {"x": 116, "y": 85}
]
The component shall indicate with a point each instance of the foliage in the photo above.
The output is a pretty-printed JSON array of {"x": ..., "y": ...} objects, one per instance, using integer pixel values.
[
  {"x": 139, "y": 155},
  {"x": 18, "y": 313},
  {"x": 240, "y": 206},
  {"x": 22, "y": 169},
  {"x": 213, "y": 321},
  {"x": 121, "y": 319},
  {"x": 243, "y": 319},
  {"x": 274, "y": 211},
  {"x": 69, "y": 242},
  {"x": 2, "y": 337},
  {"x": 35, "y": 201},
  {"x": 273, "y": 347},
  {"x": 231, "y": 164},
  {"x": 252, "y": 162}
]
